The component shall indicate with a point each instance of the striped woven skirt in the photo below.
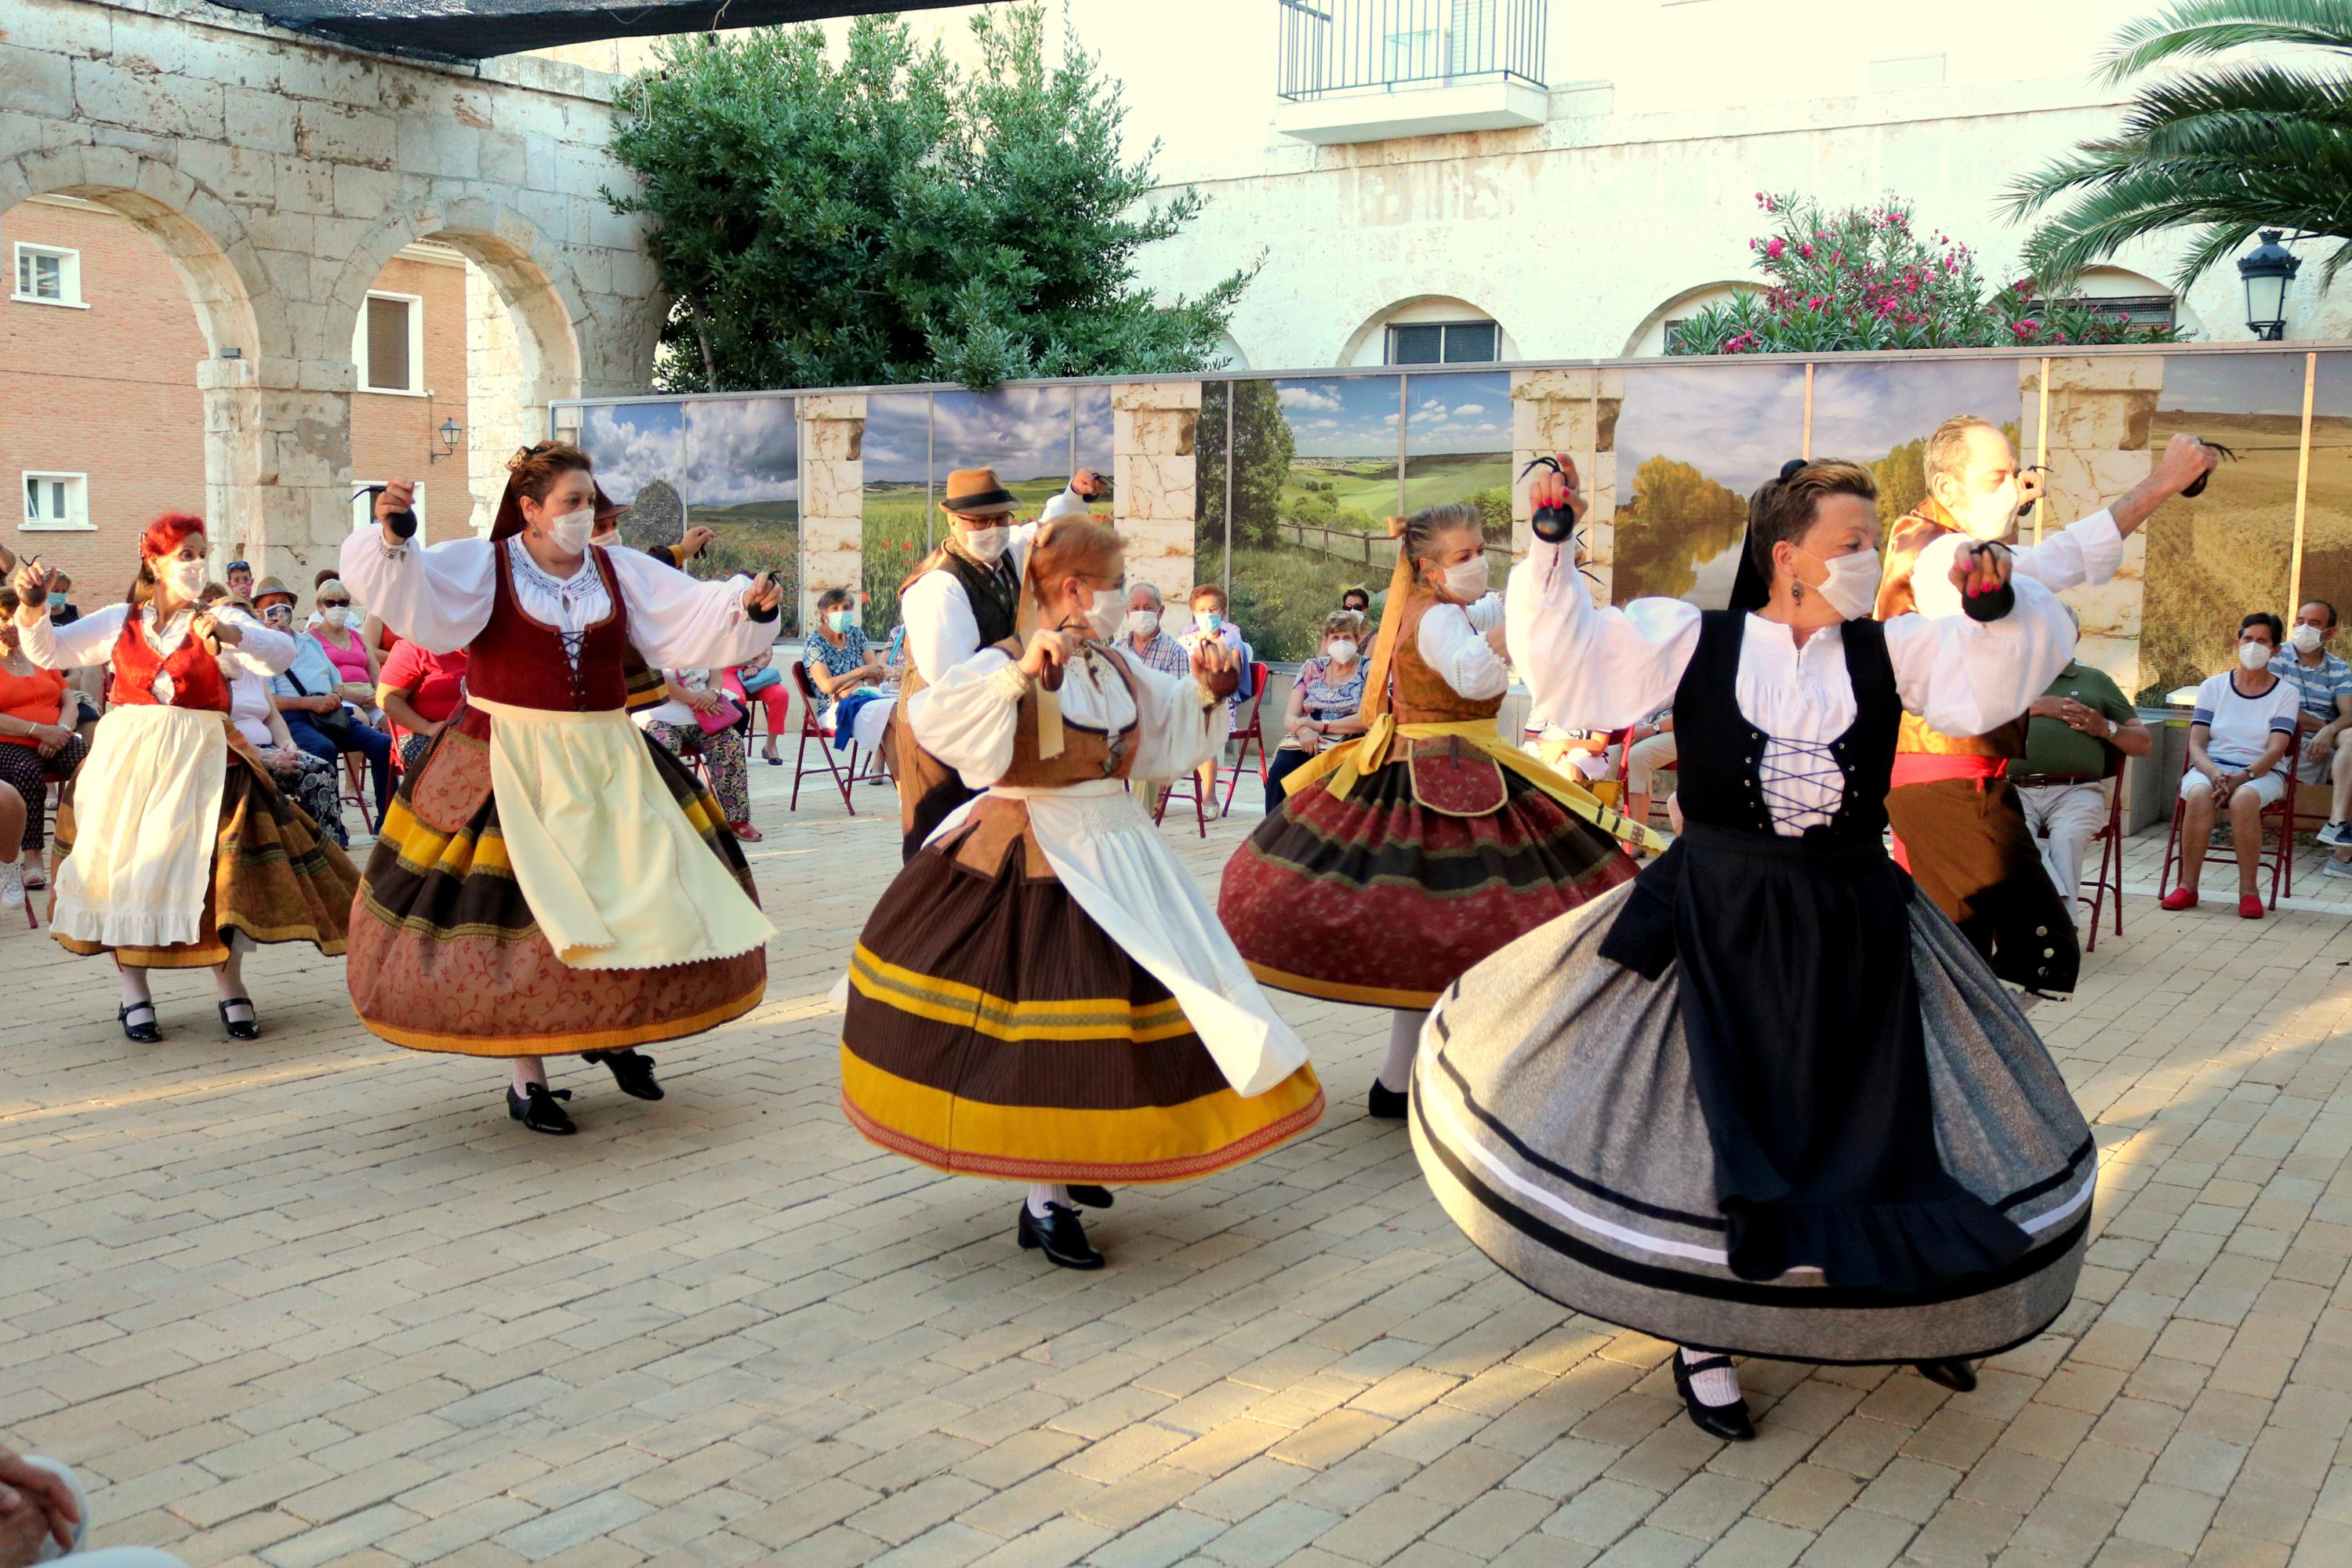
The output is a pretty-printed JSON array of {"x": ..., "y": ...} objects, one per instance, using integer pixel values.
[
  {"x": 1381, "y": 900},
  {"x": 446, "y": 955},
  {"x": 994, "y": 1030},
  {"x": 276, "y": 877},
  {"x": 1555, "y": 1116}
]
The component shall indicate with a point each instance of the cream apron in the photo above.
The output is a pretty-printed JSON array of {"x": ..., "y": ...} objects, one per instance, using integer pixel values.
[
  {"x": 146, "y": 803},
  {"x": 613, "y": 873}
]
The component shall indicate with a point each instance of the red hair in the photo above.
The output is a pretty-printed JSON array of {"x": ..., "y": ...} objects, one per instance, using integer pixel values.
[{"x": 163, "y": 535}]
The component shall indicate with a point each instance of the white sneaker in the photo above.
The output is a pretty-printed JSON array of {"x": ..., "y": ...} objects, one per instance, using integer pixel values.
[
  {"x": 2332, "y": 867},
  {"x": 2336, "y": 834},
  {"x": 11, "y": 887}
]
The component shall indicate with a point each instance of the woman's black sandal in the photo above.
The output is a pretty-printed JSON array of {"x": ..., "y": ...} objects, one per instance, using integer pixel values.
[
  {"x": 539, "y": 1112},
  {"x": 145, "y": 1033}
]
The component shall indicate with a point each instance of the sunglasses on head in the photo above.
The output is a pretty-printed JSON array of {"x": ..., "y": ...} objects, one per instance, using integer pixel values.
[{"x": 238, "y": 566}]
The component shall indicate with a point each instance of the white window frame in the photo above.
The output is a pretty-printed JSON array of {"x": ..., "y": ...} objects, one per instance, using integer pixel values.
[
  {"x": 77, "y": 519},
  {"x": 416, "y": 387},
  {"x": 363, "y": 506},
  {"x": 69, "y": 275}
]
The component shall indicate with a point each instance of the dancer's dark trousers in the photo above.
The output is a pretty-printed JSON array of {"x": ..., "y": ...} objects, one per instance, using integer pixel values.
[{"x": 1971, "y": 852}]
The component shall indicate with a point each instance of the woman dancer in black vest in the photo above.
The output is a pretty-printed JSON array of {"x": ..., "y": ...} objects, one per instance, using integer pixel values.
[{"x": 1764, "y": 1100}]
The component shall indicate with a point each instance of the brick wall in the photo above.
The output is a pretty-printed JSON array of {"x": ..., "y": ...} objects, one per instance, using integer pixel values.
[
  {"x": 391, "y": 435},
  {"x": 110, "y": 392}
]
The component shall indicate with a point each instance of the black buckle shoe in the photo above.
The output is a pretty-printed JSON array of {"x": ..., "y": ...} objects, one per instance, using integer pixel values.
[
  {"x": 240, "y": 1028},
  {"x": 1955, "y": 1374},
  {"x": 1091, "y": 1197},
  {"x": 145, "y": 1033},
  {"x": 1060, "y": 1235},
  {"x": 1388, "y": 1104},
  {"x": 633, "y": 1071},
  {"x": 539, "y": 1112},
  {"x": 1728, "y": 1422}
]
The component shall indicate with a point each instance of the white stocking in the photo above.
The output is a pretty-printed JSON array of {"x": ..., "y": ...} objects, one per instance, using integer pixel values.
[
  {"x": 1717, "y": 1385},
  {"x": 1044, "y": 1193},
  {"x": 1404, "y": 1038}
]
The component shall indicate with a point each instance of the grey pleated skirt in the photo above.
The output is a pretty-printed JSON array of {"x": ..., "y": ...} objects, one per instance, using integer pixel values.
[{"x": 1554, "y": 1116}]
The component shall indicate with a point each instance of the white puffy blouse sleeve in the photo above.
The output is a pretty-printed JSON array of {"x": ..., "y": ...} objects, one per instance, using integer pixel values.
[
  {"x": 88, "y": 641},
  {"x": 2089, "y": 551},
  {"x": 1589, "y": 667},
  {"x": 678, "y": 622},
  {"x": 1174, "y": 727},
  {"x": 940, "y": 631},
  {"x": 437, "y": 597},
  {"x": 264, "y": 650},
  {"x": 1964, "y": 677},
  {"x": 967, "y": 716},
  {"x": 1450, "y": 643}
]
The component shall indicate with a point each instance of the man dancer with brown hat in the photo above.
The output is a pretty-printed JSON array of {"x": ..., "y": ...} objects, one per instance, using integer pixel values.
[
  {"x": 1958, "y": 825},
  {"x": 965, "y": 596}
]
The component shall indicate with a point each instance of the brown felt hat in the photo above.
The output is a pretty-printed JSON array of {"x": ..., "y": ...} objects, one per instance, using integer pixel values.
[
  {"x": 975, "y": 492},
  {"x": 271, "y": 588}
]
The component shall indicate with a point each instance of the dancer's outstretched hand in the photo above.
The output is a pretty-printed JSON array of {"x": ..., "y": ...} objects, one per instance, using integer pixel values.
[
  {"x": 761, "y": 599},
  {"x": 1979, "y": 567},
  {"x": 33, "y": 582},
  {"x": 1563, "y": 491}
]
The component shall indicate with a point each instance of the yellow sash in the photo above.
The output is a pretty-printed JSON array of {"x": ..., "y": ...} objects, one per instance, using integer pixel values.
[{"x": 1348, "y": 762}]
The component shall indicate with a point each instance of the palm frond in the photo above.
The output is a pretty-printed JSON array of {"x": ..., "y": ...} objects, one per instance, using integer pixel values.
[
  {"x": 2194, "y": 28},
  {"x": 2243, "y": 89}
]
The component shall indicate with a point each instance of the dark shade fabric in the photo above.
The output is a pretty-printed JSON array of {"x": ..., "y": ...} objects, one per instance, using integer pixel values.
[
  {"x": 435, "y": 29},
  {"x": 1970, "y": 850}
]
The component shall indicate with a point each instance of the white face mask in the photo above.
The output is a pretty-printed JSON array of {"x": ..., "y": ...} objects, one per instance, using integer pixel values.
[
  {"x": 187, "y": 577},
  {"x": 1852, "y": 586},
  {"x": 1143, "y": 623},
  {"x": 2306, "y": 638},
  {"x": 337, "y": 615},
  {"x": 2254, "y": 655},
  {"x": 1342, "y": 651},
  {"x": 987, "y": 543},
  {"x": 572, "y": 532},
  {"x": 1109, "y": 609},
  {"x": 1467, "y": 581},
  {"x": 1989, "y": 514},
  {"x": 1207, "y": 620}
]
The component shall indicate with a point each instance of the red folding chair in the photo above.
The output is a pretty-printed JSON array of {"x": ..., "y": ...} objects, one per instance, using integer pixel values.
[
  {"x": 2281, "y": 855},
  {"x": 355, "y": 787},
  {"x": 1191, "y": 785},
  {"x": 817, "y": 730},
  {"x": 2109, "y": 877},
  {"x": 1252, "y": 733}
]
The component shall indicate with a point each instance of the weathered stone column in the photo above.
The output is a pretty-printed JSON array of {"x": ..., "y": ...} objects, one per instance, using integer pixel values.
[
  {"x": 2098, "y": 448},
  {"x": 277, "y": 438},
  {"x": 1154, "y": 479},
  {"x": 1574, "y": 412},
  {"x": 833, "y": 498}
]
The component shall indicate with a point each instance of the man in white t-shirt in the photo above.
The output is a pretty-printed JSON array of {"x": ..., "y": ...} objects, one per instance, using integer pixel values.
[{"x": 2238, "y": 739}]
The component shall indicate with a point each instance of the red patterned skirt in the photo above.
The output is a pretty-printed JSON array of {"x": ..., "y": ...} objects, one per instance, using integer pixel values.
[
  {"x": 1383, "y": 901},
  {"x": 446, "y": 955}
]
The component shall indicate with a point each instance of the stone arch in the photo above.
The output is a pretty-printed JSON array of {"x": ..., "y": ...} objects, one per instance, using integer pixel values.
[
  {"x": 1648, "y": 340},
  {"x": 523, "y": 352},
  {"x": 1366, "y": 345},
  {"x": 216, "y": 262}
]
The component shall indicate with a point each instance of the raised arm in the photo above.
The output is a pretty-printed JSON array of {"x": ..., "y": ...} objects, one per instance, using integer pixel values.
[
  {"x": 437, "y": 597},
  {"x": 88, "y": 641},
  {"x": 679, "y": 621},
  {"x": 1967, "y": 677},
  {"x": 1589, "y": 667},
  {"x": 265, "y": 650}
]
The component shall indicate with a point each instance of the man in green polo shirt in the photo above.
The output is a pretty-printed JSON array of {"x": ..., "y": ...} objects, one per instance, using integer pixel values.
[{"x": 2078, "y": 725}]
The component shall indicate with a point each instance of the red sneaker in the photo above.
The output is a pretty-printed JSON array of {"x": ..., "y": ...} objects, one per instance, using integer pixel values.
[
  {"x": 2178, "y": 899},
  {"x": 2249, "y": 906}
]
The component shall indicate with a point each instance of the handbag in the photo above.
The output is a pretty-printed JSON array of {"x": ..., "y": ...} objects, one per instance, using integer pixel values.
[
  {"x": 760, "y": 679},
  {"x": 723, "y": 717},
  {"x": 336, "y": 726}
]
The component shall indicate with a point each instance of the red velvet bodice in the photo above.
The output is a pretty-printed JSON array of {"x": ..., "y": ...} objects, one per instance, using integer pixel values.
[
  {"x": 518, "y": 660},
  {"x": 197, "y": 679}
]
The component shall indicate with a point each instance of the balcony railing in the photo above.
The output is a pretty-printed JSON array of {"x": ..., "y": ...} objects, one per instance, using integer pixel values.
[{"x": 1348, "y": 46}]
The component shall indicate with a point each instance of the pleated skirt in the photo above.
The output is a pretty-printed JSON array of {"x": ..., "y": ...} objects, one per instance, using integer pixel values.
[
  {"x": 993, "y": 1029},
  {"x": 446, "y": 955},
  {"x": 1554, "y": 1116},
  {"x": 1379, "y": 899}
]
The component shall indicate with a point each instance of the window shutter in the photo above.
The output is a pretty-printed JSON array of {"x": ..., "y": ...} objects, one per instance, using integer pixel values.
[
  {"x": 1417, "y": 344},
  {"x": 387, "y": 344},
  {"x": 1470, "y": 342}
]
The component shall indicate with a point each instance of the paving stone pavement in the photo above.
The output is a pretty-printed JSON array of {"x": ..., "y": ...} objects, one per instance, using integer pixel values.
[{"x": 315, "y": 1299}]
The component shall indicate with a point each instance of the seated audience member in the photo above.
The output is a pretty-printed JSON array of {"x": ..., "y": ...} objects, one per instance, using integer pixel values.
[
  {"x": 341, "y": 632},
  {"x": 238, "y": 574},
  {"x": 697, "y": 718},
  {"x": 1146, "y": 632},
  {"x": 13, "y": 815},
  {"x": 1357, "y": 600},
  {"x": 307, "y": 780},
  {"x": 419, "y": 692},
  {"x": 1209, "y": 620},
  {"x": 2079, "y": 724},
  {"x": 761, "y": 683},
  {"x": 848, "y": 678},
  {"x": 1326, "y": 703},
  {"x": 2323, "y": 682},
  {"x": 311, "y": 695},
  {"x": 38, "y": 744},
  {"x": 1649, "y": 749},
  {"x": 44, "y": 1517},
  {"x": 2238, "y": 740}
]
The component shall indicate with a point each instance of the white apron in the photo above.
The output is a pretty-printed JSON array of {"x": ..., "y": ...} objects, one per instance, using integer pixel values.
[
  {"x": 147, "y": 804},
  {"x": 613, "y": 873}
]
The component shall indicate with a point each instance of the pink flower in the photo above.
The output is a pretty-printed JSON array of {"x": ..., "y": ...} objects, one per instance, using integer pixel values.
[
  {"x": 2024, "y": 329},
  {"x": 1775, "y": 247},
  {"x": 1806, "y": 251}
]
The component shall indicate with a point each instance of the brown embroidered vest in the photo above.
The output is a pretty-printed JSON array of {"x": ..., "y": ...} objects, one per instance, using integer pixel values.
[
  {"x": 1086, "y": 754},
  {"x": 1418, "y": 694},
  {"x": 1913, "y": 534}
]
